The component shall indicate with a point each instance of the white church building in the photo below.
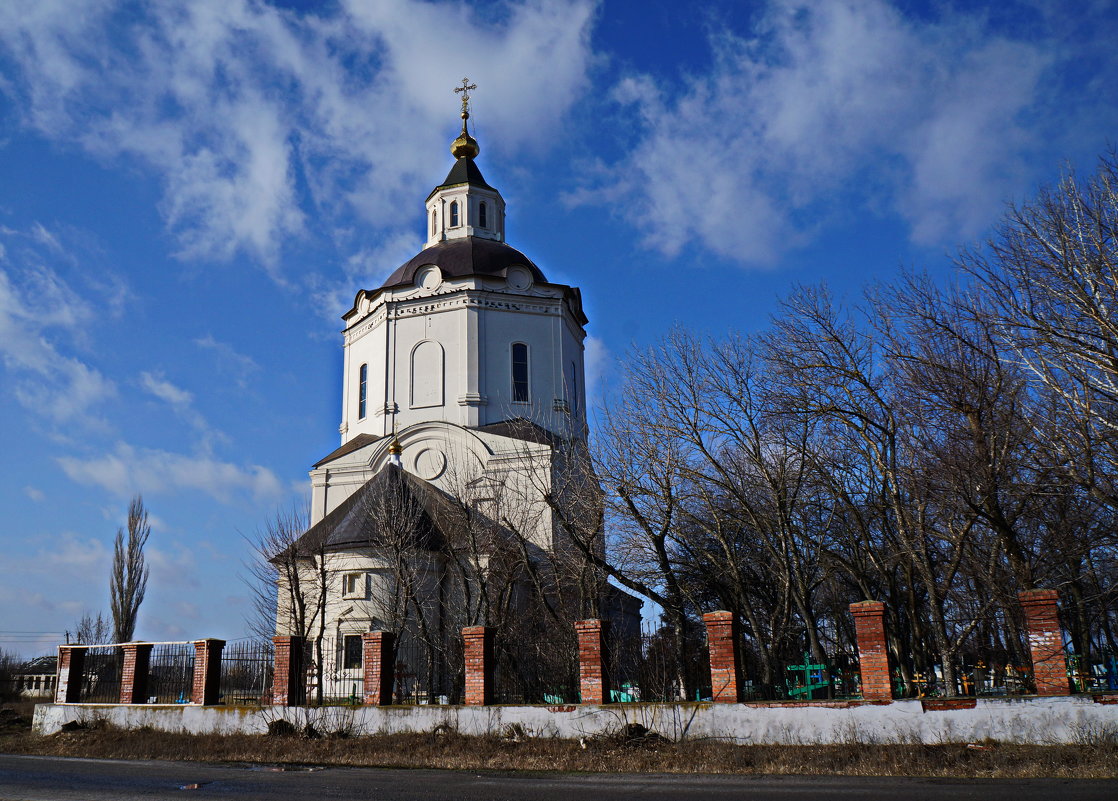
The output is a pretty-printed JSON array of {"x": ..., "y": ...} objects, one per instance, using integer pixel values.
[{"x": 463, "y": 402}]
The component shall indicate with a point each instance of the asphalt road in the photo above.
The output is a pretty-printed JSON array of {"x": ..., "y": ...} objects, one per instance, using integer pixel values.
[{"x": 30, "y": 778}]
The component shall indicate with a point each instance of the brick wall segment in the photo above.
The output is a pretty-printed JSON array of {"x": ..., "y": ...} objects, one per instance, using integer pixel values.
[
  {"x": 288, "y": 687},
  {"x": 593, "y": 676},
  {"x": 134, "y": 673},
  {"x": 478, "y": 653},
  {"x": 71, "y": 665},
  {"x": 723, "y": 636},
  {"x": 207, "y": 671},
  {"x": 1046, "y": 641},
  {"x": 873, "y": 652},
  {"x": 378, "y": 666}
]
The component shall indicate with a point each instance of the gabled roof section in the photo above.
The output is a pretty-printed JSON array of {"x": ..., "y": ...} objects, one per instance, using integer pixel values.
[
  {"x": 464, "y": 171},
  {"x": 40, "y": 665},
  {"x": 355, "y": 444},
  {"x": 523, "y": 429},
  {"x": 393, "y": 508}
]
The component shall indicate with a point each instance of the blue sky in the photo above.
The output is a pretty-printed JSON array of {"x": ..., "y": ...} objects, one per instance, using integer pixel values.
[{"x": 192, "y": 192}]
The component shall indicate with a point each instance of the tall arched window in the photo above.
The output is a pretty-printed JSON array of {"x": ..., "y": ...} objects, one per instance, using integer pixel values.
[
  {"x": 454, "y": 214},
  {"x": 427, "y": 374},
  {"x": 363, "y": 392},
  {"x": 433, "y": 229},
  {"x": 482, "y": 215},
  {"x": 519, "y": 372}
]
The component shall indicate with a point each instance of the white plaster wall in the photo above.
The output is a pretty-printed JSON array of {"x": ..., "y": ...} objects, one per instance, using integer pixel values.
[
  {"x": 1037, "y": 721},
  {"x": 475, "y": 321}
]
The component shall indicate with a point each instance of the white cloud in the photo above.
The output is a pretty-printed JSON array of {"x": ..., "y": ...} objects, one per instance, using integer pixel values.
[
  {"x": 249, "y": 114},
  {"x": 128, "y": 470},
  {"x": 367, "y": 268},
  {"x": 826, "y": 109},
  {"x": 598, "y": 363},
  {"x": 34, "y": 493},
  {"x": 37, "y": 308},
  {"x": 165, "y": 390},
  {"x": 241, "y": 367}
]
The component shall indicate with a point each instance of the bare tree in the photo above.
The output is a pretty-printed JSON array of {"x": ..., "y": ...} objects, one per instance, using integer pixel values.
[
  {"x": 129, "y": 580},
  {"x": 1051, "y": 276},
  {"x": 90, "y": 630},
  {"x": 284, "y": 599}
]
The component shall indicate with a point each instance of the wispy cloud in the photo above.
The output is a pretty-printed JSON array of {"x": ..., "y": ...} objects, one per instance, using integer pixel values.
[
  {"x": 230, "y": 361},
  {"x": 251, "y": 115},
  {"x": 827, "y": 109},
  {"x": 128, "y": 470},
  {"x": 38, "y": 311}
]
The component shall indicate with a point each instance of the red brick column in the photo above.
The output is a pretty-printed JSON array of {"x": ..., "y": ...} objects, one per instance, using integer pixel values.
[
  {"x": 134, "y": 675},
  {"x": 873, "y": 654},
  {"x": 479, "y": 664},
  {"x": 1046, "y": 641},
  {"x": 288, "y": 688},
  {"x": 723, "y": 634},
  {"x": 377, "y": 665},
  {"x": 593, "y": 676},
  {"x": 207, "y": 671},
  {"x": 71, "y": 662}
]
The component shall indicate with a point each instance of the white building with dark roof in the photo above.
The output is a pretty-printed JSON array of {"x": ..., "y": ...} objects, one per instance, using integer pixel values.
[{"x": 463, "y": 411}]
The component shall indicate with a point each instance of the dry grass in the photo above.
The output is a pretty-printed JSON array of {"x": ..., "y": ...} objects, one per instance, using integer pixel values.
[{"x": 620, "y": 753}]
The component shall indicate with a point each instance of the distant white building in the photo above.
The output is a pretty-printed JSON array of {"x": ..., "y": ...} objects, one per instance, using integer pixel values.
[
  {"x": 36, "y": 679},
  {"x": 463, "y": 407}
]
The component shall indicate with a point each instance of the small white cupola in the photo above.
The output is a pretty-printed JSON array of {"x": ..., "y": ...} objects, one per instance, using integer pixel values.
[{"x": 464, "y": 204}]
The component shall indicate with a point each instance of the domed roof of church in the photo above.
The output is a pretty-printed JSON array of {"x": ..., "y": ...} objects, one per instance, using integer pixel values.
[{"x": 458, "y": 258}]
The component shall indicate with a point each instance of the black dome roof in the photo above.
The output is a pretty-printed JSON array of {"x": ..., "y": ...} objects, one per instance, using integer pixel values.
[{"x": 458, "y": 258}]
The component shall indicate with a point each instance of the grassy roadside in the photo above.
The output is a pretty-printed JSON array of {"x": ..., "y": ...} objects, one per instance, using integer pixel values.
[{"x": 630, "y": 753}]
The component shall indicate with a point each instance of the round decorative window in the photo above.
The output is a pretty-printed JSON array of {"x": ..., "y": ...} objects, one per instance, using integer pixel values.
[
  {"x": 429, "y": 277},
  {"x": 430, "y": 463},
  {"x": 518, "y": 278}
]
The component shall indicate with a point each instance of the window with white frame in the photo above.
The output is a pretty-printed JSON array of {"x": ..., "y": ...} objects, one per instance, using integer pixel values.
[
  {"x": 363, "y": 392},
  {"x": 351, "y": 652},
  {"x": 353, "y": 585}
]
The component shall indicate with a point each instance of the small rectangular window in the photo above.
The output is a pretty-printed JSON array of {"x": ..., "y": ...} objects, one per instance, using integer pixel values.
[
  {"x": 519, "y": 373},
  {"x": 482, "y": 216},
  {"x": 353, "y": 585},
  {"x": 351, "y": 657}
]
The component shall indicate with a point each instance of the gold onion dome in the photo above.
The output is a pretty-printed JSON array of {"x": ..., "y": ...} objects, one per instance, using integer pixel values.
[{"x": 465, "y": 146}]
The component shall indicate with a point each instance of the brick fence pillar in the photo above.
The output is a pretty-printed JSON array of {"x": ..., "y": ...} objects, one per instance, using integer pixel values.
[
  {"x": 377, "y": 665},
  {"x": 593, "y": 675},
  {"x": 207, "y": 671},
  {"x": 479, "y": 664},
  {"x": 723, "y": 634},
  {"x": 873, "y": 654},
  {"x": 134, "y": 675},
  {"x": 1046, "y": 641},
  {"x": 288, "y": 687},
  {"x": 71, "y": 663}
]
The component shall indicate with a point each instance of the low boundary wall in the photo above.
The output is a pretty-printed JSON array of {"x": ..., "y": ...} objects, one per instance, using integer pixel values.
[{"x": 1026, "y": 720}]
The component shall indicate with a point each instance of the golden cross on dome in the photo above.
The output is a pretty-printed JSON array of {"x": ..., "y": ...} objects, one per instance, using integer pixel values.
[{"x": 465, "y": 89}]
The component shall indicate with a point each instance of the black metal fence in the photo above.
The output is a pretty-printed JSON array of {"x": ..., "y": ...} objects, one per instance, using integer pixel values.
[
  {"x": 425, "y": 673},
  {"x": 100, "y": 680},
  {"x": 422, "y": 673},
  {"x": 658, "y": 664},
  {"x": 171, "y": 673},
  {"x": 536, "y": 670},
  {"x": 246, "y": 673}
]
